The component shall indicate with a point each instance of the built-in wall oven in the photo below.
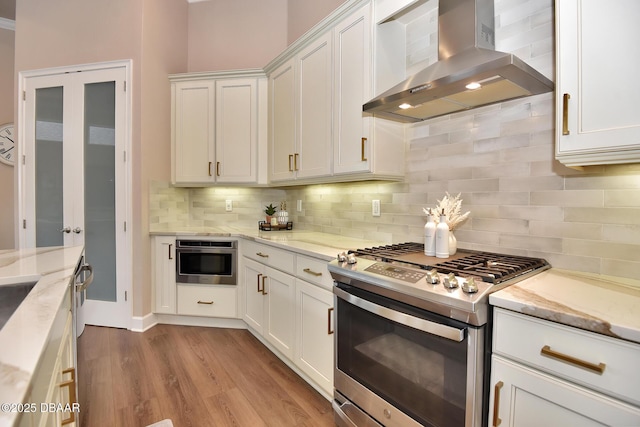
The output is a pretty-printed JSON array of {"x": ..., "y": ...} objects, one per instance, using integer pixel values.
[
  {"x": 413, "y": 334},
  {"x": 206, "y": 262}
]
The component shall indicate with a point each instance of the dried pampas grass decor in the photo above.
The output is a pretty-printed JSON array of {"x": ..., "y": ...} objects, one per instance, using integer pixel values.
[{"x": 452, "y": 207}]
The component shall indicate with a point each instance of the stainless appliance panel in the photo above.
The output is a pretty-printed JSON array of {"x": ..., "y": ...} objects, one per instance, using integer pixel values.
[{"x": 206, "y": 262}]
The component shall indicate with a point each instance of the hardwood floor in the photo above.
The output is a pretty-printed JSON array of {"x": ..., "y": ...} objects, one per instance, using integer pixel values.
[{"x": 194, "y": 376}]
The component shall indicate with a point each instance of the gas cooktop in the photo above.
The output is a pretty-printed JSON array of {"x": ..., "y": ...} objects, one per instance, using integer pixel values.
[{"x": 457, "y": 286}]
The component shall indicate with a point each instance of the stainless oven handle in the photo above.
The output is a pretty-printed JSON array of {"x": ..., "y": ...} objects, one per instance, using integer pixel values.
[
  {"x": 350, "y": 415},
  {"x": 444, "y": 331}
]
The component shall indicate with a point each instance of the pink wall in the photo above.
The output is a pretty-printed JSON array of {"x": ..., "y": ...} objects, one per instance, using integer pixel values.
[
  {"x": 229, "y": 35},
  {"x": 304, "y": 14},
  {"x": 6, "y": 116}
]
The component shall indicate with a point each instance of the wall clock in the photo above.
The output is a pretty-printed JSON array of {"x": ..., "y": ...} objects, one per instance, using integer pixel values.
[{"x": 7, "y": 144}]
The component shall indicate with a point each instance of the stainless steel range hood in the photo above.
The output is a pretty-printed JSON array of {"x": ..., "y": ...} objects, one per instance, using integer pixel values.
[{"x": 466, "y": 55}]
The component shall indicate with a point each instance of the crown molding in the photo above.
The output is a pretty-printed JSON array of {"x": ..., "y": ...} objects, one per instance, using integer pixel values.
[{"x": 7, "y": 24}]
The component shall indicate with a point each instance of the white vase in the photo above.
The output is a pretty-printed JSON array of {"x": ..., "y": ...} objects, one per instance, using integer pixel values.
[
  {"x": 283, "y": 217},
  {"x": 453, "y": 243}
]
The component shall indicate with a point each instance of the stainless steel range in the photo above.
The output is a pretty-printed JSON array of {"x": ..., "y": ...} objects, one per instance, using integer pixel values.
[{"x": 412, "y": 334}]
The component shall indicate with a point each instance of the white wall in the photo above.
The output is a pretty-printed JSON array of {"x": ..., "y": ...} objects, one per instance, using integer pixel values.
[{"x": 6, "y": 116}]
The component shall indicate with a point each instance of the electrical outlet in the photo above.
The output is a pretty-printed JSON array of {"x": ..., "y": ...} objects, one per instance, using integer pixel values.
[
  {"x": 375, "y": 207},
  {"x": 299, "y": 206},
  {"x": 228, "y": 205}
]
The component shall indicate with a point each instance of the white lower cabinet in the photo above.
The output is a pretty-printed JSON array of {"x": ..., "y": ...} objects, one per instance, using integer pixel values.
[
  {"x": 54, "y": 388},
  {"x": 547, "y": 374},
  {"x": 207, "y": 301},
  {"x": 288, "y": 302},
  {"x": 163, "y": 273},
  {"x": 269, "y": 305},
  {"x": 314, "y": 337}
]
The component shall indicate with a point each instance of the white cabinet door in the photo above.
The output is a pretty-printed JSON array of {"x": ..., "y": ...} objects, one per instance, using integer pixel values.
[
  {"x": 282, "y": 110},
  {"x": 524, "y": 397},
  {"x": 597, "y": 64},
  {"x": 236, "y": 130},
  {"x": 314, "y": 335},
  {"x": 193, "y": 131},
  {"x": 313, "y": 155},
  {"x": 164, "y": 274},
  {"x": 279, "y": 292},
  {"x": 352, "y": 139},
  {"x": 254, "y": 280}
]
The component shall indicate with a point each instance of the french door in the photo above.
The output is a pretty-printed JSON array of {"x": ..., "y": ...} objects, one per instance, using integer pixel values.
[{"x": 75, "y": 133}]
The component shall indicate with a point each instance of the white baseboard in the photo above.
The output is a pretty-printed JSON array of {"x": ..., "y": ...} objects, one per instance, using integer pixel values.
[{"x": 141, "y": 324}]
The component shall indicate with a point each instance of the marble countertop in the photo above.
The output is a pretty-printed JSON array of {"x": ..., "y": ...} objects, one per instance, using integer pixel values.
[
  {"x": 320, "y": 245},
  {"x": 596, "y": 303},
  {"x": 26, "y": 333}
]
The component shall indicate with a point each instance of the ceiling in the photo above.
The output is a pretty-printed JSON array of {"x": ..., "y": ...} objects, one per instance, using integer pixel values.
[{"x": 8, "y": 9}]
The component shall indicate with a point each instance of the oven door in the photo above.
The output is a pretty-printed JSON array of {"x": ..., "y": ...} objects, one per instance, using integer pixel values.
[
  {"x": 405, "y": 366},
  {"x": 206, "y": 266}
]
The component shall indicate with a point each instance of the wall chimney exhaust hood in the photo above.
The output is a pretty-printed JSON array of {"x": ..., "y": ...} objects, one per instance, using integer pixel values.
[{"x": 469, "y": 72}]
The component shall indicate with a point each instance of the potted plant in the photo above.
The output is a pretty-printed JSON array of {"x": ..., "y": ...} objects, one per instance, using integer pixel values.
[{"x": 270, "y": 211}]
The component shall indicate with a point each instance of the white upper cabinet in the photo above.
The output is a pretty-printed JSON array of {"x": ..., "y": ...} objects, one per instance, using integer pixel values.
[
  {"x": 218, "y": 128},
  {"x": 597, "y": 64},
  {"x": 313, "y": 158},
  {"x": 317, "y": 88}
]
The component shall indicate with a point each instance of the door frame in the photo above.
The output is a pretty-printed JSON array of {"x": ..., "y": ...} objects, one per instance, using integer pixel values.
[{"x": 24, "y": 238}]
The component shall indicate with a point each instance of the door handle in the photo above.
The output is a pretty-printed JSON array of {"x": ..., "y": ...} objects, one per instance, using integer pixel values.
[
  {"x": 363, "y": 141},
  {"x": 217, "y": 168},
  {"x": 263, "y": 286},
  {"x": 65, "y": 230},
  {"x": 565, "y": 114},
  {"x": 77, "y": 230}
]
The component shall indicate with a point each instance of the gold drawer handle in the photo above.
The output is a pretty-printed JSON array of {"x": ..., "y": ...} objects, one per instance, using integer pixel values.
[
  {"x": 217, "y": 168},
  {"x": 71, "y": 385},
  {"x": 313, "y": 273},
  {"x": 290, "y": 162},
  {"x": 263, "y": 286},
  {"x": 565, "y": 113},
  {"x": 295, "y": 161},
  {"x": 598, "y": 369},
  {"x": 260, "y": 254},
  {"x": 209, "y": 168},
  {"x": 259, "y": 276},
  {"x": 329, "y": 329},
  {"x": 205, "y": 302},
  {"x": 496, "y": 404}
]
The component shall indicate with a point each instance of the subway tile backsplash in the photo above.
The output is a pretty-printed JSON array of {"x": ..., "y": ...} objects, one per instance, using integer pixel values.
[{"x": 500, "y": 158}]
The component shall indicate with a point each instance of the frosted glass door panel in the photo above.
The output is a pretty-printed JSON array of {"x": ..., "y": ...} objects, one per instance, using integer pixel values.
[
  {"x": 49, "y": 167},
  {"x": 99, "y": 188}
]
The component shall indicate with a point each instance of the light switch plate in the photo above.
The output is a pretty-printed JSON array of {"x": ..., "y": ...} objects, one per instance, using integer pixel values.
[
  {"x": 375, "y": 207},
  {"x": 228, "y": 205},
  {"x": 299, "y": 206}
]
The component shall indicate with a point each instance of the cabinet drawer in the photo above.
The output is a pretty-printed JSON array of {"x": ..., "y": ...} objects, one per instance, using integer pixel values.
[
  {"x": 611, "y": 364},
  {"x": 210, "y": 301},
  {"x": 268, "y": 255},
  {"x": 314, "y": 271}
]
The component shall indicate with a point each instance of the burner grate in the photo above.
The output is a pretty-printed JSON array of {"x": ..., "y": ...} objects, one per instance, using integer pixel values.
[{"x": 489, "y": 267}]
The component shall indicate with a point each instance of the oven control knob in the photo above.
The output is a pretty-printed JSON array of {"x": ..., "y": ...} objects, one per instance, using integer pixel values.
[
  {"x": 351, "y": 259},
  {"x": 342, "y": 256},
  {"x": 432, "y": 276},
  {"x": 450, "y": 281},
  {"x": 469, "y": 286}
]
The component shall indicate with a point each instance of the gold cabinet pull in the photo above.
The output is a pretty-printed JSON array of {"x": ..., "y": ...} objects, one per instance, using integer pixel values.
[
  {"x": 290, "y": 162},
  {"x": 217, "y": 168},
  {"x": 295, "y": 161},
  {"x": 205, "y": 302},
  {"x": 598, "y": 369},
  {"x": 260, "y": 254},
  {"x": 329, "y": 329},
  {"x": 259, "y": 276},
  {"x": 565, "y": 113},
  {"x": 170, "y": 244},
  {"x": 71, "y": 385},
  {"x": 209, "y": 168},
  {"x": 496, "y": 403},
  {"x": 364, "y": 140},
  {"x": 313, "y": 273},
  {"x": 263, "y": 286}
]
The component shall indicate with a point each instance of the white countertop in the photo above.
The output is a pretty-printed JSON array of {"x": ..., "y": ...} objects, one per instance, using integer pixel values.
[
  {"x": 25, "y": 335},
  {"x": 320, "y": 245},
  {"x": 602, "y": 304}
]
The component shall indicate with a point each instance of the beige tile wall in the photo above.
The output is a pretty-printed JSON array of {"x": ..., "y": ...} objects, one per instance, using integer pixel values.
[{"x": 500, "y": 158}]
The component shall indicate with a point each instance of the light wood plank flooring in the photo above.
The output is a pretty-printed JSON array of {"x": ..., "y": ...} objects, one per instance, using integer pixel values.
[{"x": 194, "y": 376}]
